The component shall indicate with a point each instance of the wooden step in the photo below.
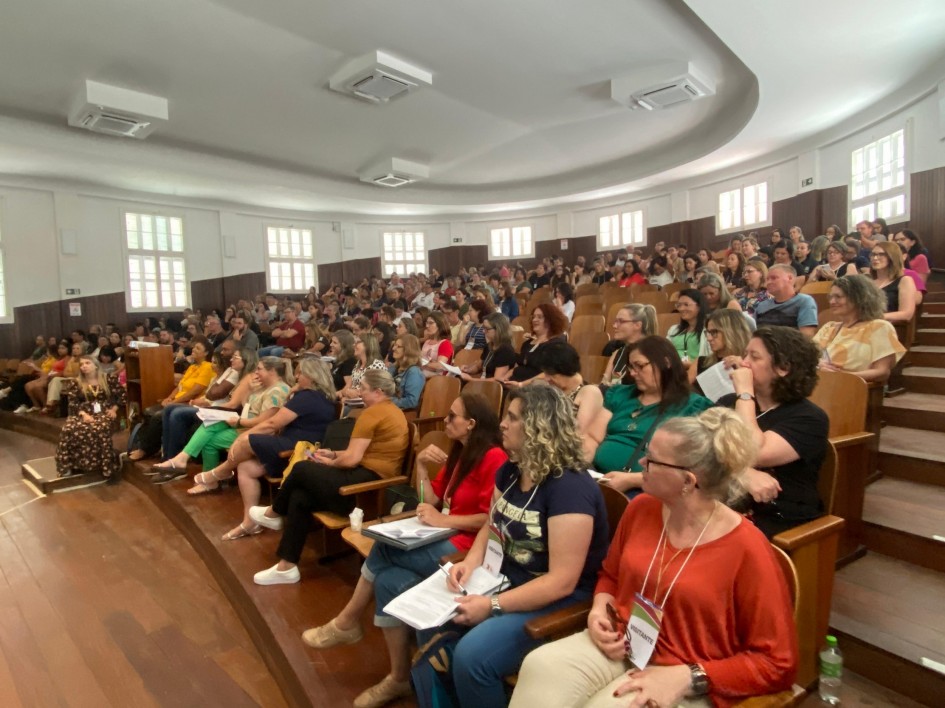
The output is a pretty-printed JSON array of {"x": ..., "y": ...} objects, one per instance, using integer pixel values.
[
  {"x": 906, "y": 520},
  {"x": 42, "y": 474},
  {"x": 889, "y": 619},
  {"x": 924, "y": 411},
  {"x": 933, "y": 308},
  {"x": 929, "y": 336},
  {"x": 932, "y": 320},
  {"x": 915, "y": 455},
  {"x": 924, "y": 379},
  {"x": 924, "y": 355}
]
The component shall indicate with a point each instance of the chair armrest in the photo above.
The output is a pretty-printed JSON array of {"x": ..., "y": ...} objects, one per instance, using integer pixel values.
[
  {"x": 808, "y": 533},
  {"x": 840, "y": 441},
  {"x": 453, "y": 557},
  {"x": 567, "y": 620},
  {"x": 362, "y": 487}
]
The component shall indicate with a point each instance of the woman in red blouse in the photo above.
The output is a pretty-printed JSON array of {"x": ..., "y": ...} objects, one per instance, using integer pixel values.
[
  {"x": 727, "y": 629},
  {"x": 457, "y": 498}
]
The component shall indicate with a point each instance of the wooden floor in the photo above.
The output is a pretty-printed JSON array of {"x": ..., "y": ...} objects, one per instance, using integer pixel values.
[{"x": 103, "y": 603}]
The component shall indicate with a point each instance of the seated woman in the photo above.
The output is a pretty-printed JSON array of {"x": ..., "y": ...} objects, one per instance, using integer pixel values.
[
  {"x": 687, "y": 274},
  {"x": 192, "y": 385},
  {"x": 548, "y": 323},
  {"x": 342, "y": 349},
  {"x": 772, "y": 384},
  {"x": 715, "y": 293},
  {"x": 457, "y": 498},
  {"x": 85, "y": 444},
  {"x": 689, "y": 335},
  {"x": 734, "y": 273},
  {"x": 553, "y": 537},
  {"x": 632, "y": 323},
  {"x": 632, "y": 275},
  {"x": 727, "y": 629},
  {"x": 839, "y": 263},
  {"x": 498, "y": 357},
  {"x": 900, "y": 290},
  {"x": 727, "y": 333},
  {"x": 561, "y": 366},
  {"x": 377, "y": 449},
  {"x": 564, "y": 299},
  {"x": 18, "y": 396},
  {"x": 56, "y": 380},
  {"x": 660, "y": 391},
  {"x": 915, "y": 255},
  {"x": 754, "y": 277},
  {"x": 408, "y": 378},
  {"x": 861, "y": 342},
  {"x": 508, "y": 304},
  {"x": 368, "y": 357},
  {"x": 258, "y": 396},
  {"x": 473, "y": 333},
  {"x": 436, "y": 349}
]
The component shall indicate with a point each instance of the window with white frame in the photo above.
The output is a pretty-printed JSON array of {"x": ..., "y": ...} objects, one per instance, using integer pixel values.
[
  {"x": 511, "y": 242},
  {"x": 157, "y": 272},
  {"x": 743, "y": 207},
  {"x": 618, "y": 230},
  {"x": 879, "y": 180},
  {"x": 290, "y": 259},
  {"x": 404, "y": 252}
]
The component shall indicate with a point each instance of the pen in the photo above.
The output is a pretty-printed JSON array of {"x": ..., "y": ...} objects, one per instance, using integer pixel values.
[
  {"x": 421, "y": 491},
  {"x": 447, "y": 574}
]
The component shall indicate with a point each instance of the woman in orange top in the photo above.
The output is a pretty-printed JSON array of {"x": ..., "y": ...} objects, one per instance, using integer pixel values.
[{"x": 727, "y": 630}]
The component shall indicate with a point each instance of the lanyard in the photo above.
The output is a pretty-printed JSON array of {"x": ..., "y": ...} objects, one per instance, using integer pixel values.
[
  {"x": 661, "y": 545},
  {"x": 502, "y": 496}
]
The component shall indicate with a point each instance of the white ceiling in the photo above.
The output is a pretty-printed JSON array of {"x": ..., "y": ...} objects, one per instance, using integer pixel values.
[{"x": 519, "y": 112}]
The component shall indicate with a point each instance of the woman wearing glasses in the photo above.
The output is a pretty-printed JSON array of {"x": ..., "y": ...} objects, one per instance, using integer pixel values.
[
  {"x": 727, "y": 333},
  {"x": 754, "y": 275},
  {"x": 886, "y": 270},
  {"x": 861, "y": 341},
  {"x": 632, "y": 323},
  {"x": 408, "y": 378},
  {"x": 498, "y": 357},
  {"x": 660, "y": 391},
  {"x": 458, "y": 497},
  {"x": 727, "y": 630},
  {"x": 436, "y": 349}
]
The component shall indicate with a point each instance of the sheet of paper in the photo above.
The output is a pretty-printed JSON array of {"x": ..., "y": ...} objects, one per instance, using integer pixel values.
[
  {"x": 209, "y": 416},
  {"x": 716, "y": 382},
  {"x": 410, "y": 527},
  {"x": 454, "y": 370},
  {"x": 595, "y": 475},
  {"x": 431, "y": 603}
]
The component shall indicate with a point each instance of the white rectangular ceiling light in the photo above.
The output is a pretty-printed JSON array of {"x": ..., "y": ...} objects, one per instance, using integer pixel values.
[
  {"x": 394, "y": 172},
  {"x": 662, "y": 86},
  {"x": 379, "y": 77},
  {"x": 121, "y": 112}
]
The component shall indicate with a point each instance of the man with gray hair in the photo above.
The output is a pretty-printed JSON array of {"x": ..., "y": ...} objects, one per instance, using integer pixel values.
[
  {"x": 785, "y": 308},
  {"x": 214, "y": 332}
]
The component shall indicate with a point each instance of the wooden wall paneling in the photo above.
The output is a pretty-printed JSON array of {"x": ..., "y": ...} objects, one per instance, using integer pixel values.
[
  {"x": 355, "y": 270},
  {"x": 96, "y": 309},
  {"x": 577, "y": 246},
  {"x": 833, "y": 208},
  {"x": 670, "y": 234},
  {"x": 928, "y": 212},
  {"x": 245, "y": 286},
  {"x": 329, "y": 273},
  {"x": 702, "y": 235},
  {"x": 803, "y": 210},
  {"x": 207, "y": 295}
]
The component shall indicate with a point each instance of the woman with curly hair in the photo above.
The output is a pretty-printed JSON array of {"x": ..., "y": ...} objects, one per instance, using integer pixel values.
[
  {"x": 548, "y": 528},
  {"x": 772, "y": 384},
  {"x": 548, "y": 324}
]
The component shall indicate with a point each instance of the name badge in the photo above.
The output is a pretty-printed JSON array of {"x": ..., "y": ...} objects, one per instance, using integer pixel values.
[
  {"x": 96, "y": 407},
  {"x": 446, "y": 508},
  {"x": 494, "y": 553},
  {"x": 643, "y": 630},
  {"x": 470, "y": 344}
]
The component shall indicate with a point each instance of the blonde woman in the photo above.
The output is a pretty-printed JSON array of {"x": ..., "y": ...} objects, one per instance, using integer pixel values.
[
  {"x": 715, "y": 293},
  {"x": 85, "y": 444},
  {"x": 632, "y": 323}
]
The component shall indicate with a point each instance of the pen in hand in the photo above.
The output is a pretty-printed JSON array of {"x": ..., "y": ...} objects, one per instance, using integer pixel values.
[{"x": 447, "y": 574}]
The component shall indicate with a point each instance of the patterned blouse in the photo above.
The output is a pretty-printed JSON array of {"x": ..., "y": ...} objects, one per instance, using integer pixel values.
[{"x": 855, "y": 348}]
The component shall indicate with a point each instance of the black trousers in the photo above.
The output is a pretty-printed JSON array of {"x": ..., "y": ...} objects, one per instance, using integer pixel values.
[{"x": 312, "y": 487}]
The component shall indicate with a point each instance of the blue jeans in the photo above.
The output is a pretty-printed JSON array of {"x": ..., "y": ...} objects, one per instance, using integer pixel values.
[
  {"x": 394, "y": 571},
  {"x": 177, "y": 419},
  {"x": 494, "y": 649},
  {"x": 271, "y": 351}
]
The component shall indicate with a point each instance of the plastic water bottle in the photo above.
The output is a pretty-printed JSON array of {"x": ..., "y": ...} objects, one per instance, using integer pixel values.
[{"x": 831, "y": 672}]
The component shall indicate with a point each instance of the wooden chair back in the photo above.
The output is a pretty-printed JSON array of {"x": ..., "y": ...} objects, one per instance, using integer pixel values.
[
  {"x": 587, "y": 309},
  {"x": 434, "y": 437},
  {"x": 827, "y": 479},
  {"x": 612, "y": 311},
  {"x": 665, "y": 320},
  {"x": 659, "y": 300},
  {"x": 590, "y": 343},
  {"x": 523, "y": 321},
  {"x": 640, "y": 288},
  {"x": 790, "y": 575},
  {"x": 817, "y": 286},
  {"x": 492, "y": 391},
  {"x": 594, "y": 298},
  {"x": 822, "y": 300},
  {"x": 465, "y": 357},
  {"x": 587, "y": 289},
  {"x": 844, "y": 397},
  {"x": 825, "y": 316},
  {"x": 614, "y": 297},
  {"x": 586, "y": 324},
  {"x": 593, "y": 367},
  {"x": 673, "y": 288},
  {"x": 439, "y": 392},
  {"x": 615, "y": 503},
  {"x": 518, "y": 336}
]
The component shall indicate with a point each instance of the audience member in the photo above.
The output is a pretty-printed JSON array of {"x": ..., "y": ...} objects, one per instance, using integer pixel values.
[
  {"x": 547, "y": 324},
  {"x": 498, "y": 357},
  {"x": 899, "y": 289},
  {"x": 633, "y": 322},
  {"x": 785, "y": 307}
]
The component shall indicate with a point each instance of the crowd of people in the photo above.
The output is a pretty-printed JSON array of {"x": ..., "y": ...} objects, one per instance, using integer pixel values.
[{"x": 708, "y": 480}]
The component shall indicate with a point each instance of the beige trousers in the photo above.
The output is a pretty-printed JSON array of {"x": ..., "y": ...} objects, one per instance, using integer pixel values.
[{"x": 573, "y": 672}]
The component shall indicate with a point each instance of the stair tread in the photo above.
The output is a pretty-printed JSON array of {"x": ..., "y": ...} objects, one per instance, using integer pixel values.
[
  {"x": 917, "y": 401},
  {"x": 932, "y": 371},
  {"x": 925, "y": 444},
  {"x": 906, "y": 506},
  {"x": 892, "y": 604},
  {"x": 933, "y": 330},
  {"x": 927, "y": 349}
]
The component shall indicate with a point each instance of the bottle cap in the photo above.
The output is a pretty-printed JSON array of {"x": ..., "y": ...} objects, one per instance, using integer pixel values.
[{"x": 831, "y": 640}]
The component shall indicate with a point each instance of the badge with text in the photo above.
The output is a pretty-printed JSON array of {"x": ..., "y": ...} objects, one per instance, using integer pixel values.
[
  {"x": 494, "y": 553},
  {"x": 643, "y": 630},
  {"x": 97, "y": 407}
]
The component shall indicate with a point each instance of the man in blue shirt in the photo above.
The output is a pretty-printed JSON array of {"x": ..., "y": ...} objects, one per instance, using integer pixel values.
[{"x": 786, "y": 308}]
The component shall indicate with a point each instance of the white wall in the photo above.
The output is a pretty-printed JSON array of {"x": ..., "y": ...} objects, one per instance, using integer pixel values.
[{"x": 229, "y": 241}]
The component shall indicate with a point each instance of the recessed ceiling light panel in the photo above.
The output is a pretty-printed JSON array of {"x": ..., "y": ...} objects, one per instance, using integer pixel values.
[
  {"x": 662, "y": 86},
  {"x": 394, "y": 172},
  {"x": 379, "y": 77}
]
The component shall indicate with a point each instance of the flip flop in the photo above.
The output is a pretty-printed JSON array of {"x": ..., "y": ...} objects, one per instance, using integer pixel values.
[{"x": 240, "y": 532}]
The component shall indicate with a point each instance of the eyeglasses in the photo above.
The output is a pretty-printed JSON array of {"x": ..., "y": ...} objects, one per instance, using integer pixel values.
[
  {"x": 638, "y": 367},
  {"x": 879, "y": 254},
  {"x": 622, "y": 321},
  {"x": 713, "y": 333},
  {"x": 648, "y": 462},
  {"x": 488, "y": 329}
]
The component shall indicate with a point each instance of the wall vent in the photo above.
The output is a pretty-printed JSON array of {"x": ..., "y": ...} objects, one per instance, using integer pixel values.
[
  {"x": 660, "y": 87},
  {"x": 379, "y": 77},
  {"x": 111, "y": 110}
]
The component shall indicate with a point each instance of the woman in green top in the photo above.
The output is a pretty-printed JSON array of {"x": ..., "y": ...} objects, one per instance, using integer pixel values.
[
  {"x": 689, "y": 335},
  {"x": 632, "y": 412}
]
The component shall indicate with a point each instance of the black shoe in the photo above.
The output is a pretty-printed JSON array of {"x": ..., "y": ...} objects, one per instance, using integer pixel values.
[{"x": 169, "y": 475}]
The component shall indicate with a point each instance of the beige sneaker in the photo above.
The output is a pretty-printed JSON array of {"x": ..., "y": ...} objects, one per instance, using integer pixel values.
[
  {"x": 383, "y": 693},
  {"x": 328, "y": 635}
]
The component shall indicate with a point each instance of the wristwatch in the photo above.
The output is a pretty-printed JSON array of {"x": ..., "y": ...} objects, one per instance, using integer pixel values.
[
  {"x": 496, "y": 607},
  {"x": 699, "y": 681},
  {"x": 744, "y": 396}
]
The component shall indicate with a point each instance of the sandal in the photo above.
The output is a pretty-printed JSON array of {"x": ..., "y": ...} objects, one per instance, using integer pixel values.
[
  {"x": 136, "y": 454},
  {"x": 201, "y": 486},
  {"x": 241, "y": 532}
]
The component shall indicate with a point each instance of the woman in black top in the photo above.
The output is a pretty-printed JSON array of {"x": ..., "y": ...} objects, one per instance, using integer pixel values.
[
  {"x": 548, "y": 324},
  {"x": 342, "y": 349},
  {"x": 498, "y": 357}
]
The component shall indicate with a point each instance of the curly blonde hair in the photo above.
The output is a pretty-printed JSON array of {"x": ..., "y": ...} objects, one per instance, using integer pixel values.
[{"x": 552, "y": 444}]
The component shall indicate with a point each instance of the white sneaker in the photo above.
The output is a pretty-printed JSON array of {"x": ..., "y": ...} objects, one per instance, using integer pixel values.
[
  {"x": 34, "y": 409},
  {"x": 21, "y": 410},
  {"x": 274, "y": 576},
  {"x": 4, "y": 392},
  {"x": 258, "y": 514}
]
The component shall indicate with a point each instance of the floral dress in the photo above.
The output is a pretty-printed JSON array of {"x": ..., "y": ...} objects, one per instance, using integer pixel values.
[{"x": 87, "y": 446}]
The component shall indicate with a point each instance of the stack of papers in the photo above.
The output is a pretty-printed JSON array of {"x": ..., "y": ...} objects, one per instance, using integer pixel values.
[
  {"x": 432, "y": 603},
  {"x": 407, "y": 533},
  {"x": 209, "y": 416}
]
